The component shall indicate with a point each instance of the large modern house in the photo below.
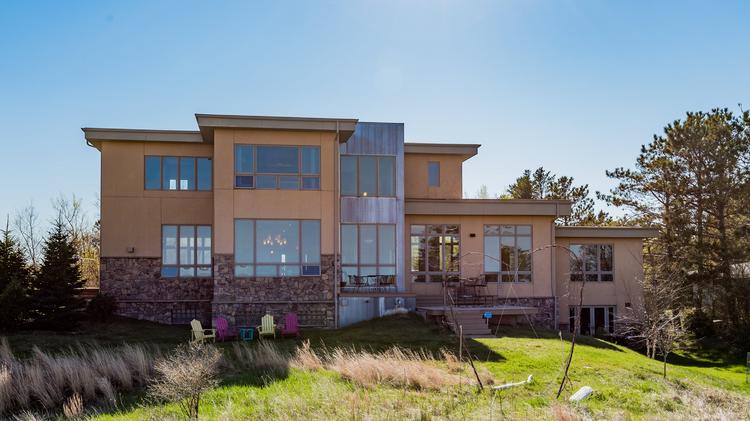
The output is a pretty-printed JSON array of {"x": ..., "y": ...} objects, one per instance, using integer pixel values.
[{"x": 339, "y": 221}]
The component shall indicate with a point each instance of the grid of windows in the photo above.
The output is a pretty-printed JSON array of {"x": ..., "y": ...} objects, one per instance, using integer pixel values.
[
  {"x": 594, "y": 262},
  {"x": 272, "y": 247},
  {"x": 186, "y": 251},
  {"x": 435, "y": 253},
  {"x": 595, "y": 320},
  {"x": 507, "y": 253},
  {"x": 368, "y": 175},
  {"x": 177, "y": 173},
  {"x": 277, "y": 167},
  {"x": 368, "y": 250}
]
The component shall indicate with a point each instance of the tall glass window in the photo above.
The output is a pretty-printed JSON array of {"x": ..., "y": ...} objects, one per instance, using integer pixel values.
[
  {"x": 153, "y": 173},
  {"x": 592, "y": 261},
  {"x": 273, "y": 248},
  {"x": 186, "y": 251},
  {"x": 368, "y": 175},
  {"x": 205, "y": 174},
  {"x": 435, "y": 253},
  {"x": 169, "y": 165},
  {"x": 187, "y": 173},
  {"x": 277, "y": 167},
  {"x": 507, "y": 253},
  {"x": 368, "y": 251},
  {"x": 178, "y": 173},
  {"x": 433, "y": 173}
]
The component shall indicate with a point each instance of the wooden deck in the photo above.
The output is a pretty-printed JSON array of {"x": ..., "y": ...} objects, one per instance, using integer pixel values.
[{"x": 496, "y": 310}]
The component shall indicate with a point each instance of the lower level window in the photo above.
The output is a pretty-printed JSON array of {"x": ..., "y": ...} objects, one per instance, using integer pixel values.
[
  {"x": 594, "y": 320},
  {"x": 186, "y": 251},
  {"x": 274, "y": 247},
  {"x": 368, "y": 254}
]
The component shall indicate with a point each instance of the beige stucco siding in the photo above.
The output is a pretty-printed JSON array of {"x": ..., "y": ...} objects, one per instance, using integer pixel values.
[
  {"x": 231, "y": 203},
  {"x": 472, "y": 252},
  {"x": 132, "y": 216},
  {"x": 628, "y": 275},
  {"x": 415, "y": 176}
]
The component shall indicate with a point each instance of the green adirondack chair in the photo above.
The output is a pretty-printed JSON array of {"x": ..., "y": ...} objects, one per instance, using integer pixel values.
[
  {"x": 266, "y": 328},
  {"x": 200, "y": 335}
]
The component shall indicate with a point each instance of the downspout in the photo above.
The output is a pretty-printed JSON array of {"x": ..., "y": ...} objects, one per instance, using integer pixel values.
[
  {"x": 553, "y": 250},
  {"x": 336, "y": 223}
]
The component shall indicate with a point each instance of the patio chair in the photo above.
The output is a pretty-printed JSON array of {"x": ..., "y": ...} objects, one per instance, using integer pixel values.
[
  {"x": 223, "y": 331},
  {"x": 199, "y": 335},
  {"x": 291, "y": 325},
  {"x": 266, "y": 328}
]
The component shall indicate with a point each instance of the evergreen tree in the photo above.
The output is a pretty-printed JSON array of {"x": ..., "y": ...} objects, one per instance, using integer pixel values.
[
  {"x": 14, "y": 278},
  {"x": 543, "y": 185},
  {"x": 56, "y": 304}
]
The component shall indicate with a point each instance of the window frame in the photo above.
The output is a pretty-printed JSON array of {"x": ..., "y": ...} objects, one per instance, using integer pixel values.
[
  {"x": 195, "y": 265},
  {"x": 500, "y": 275},
  {"x": 377, "y": 175},
  {"x": 255, "y": 262},
  {"x": 377, "y": 265},
  {"x": 300, "y": 174},
  {"x": 179, "y": 158},
  {"x": 598, "y": 272},
  {"x": 448, "y": 276}
]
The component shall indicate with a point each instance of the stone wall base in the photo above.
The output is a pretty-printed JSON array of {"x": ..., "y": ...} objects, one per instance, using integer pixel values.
[
  {"x": 172, "y": 313},
  {"x": 547, "y": 306},
  {"x": 310, "y": 314}
]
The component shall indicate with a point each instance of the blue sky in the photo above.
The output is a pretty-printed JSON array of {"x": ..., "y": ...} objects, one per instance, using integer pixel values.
[{"x": 575, "y": 86}]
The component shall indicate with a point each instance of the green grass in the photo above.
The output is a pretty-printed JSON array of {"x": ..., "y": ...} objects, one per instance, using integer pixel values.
[{"x": 625, "y": 383}]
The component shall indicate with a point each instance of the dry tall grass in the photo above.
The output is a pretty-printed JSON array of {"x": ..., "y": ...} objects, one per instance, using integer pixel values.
[
  {"x": 263, "y": 358},
  {"x": 47, "y": 381},
  {"x": 396, "y": 367}
]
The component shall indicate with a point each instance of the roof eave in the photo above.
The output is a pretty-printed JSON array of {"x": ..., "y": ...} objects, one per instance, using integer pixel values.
[{"x": 209, "y": 122}]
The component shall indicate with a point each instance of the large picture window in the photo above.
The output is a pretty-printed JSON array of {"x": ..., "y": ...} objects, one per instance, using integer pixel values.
[
  {"x": 435, "y": 253},
  {"x": 186, "y": 251},
  {"x": 368, "y": 250},
  {"x": 264, "y": 247},
  {"x": 368, "y": 175},
  {"x": 177, "y": 173},
  {"x": 507, "y": 253},
  {"x": 594, "y": 262},
  {"x": 277, "y": 167}
]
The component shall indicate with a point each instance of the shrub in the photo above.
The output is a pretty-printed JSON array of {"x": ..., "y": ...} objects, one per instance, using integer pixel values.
[
  {"x": 101, "y": 307},
  {"x": 186, "y": 374}
]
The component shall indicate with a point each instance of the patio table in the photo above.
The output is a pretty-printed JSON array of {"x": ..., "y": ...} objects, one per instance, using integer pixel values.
[{"x": 246, "y": 333}]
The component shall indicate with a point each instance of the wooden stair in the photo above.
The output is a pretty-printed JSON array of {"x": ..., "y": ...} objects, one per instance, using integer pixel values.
[{"x": 473, "y": 325}]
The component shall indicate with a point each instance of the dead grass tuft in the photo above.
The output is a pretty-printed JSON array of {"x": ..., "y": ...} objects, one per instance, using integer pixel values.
[
  {"x": 263, "y": 358},
  {"x": 396, "y": 367},
  {"x": 47, "y": 381}
]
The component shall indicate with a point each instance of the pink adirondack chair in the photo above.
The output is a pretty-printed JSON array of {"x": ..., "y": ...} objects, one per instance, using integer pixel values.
[
  {"x": 291, "y": 325},
  {"x": 223, "y": 332}
]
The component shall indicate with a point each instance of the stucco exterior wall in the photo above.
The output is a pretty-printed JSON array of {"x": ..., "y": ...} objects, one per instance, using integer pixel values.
[
  {"x": 415, "y": 176},
  {"x": 472, "y": 252},
  {"x": 132, "y": 216},
  {"x": 230, "y": 203},
  {"x": 625, "y": 288}
]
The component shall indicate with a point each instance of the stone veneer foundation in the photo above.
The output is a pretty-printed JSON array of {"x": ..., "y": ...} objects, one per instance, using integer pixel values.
[
  {"x": 547, "y": 307},
  {"x": 141, "y": 292},
  {"x": 242, "y": 301}
]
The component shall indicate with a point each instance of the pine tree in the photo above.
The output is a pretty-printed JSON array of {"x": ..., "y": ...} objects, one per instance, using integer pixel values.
[
  {"x": 14, "y": 278},
  {"x": 55, "y": 303}
]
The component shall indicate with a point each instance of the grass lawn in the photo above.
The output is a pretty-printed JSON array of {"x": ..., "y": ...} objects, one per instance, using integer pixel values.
[{"x": 625, "y": 383}]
